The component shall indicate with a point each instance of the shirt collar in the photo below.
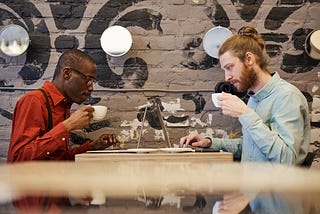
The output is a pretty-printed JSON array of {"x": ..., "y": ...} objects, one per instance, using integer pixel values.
[
  {"x": 265, "y": 90},
  {"x": 54, "y": 93}
]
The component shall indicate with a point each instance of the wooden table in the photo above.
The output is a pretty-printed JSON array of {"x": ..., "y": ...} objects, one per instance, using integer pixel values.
[
  {"x": 151, "y": 179},
  {"x": 194, "y": 157},
  {"x": 157, "y": 161},
  {"x": 131, "y": 178}
]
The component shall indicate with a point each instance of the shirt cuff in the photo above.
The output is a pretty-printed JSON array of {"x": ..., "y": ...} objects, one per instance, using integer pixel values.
[
  {"x": 85, "y": 147},
  {"x": 248, "y": 118},
  {"x": 215, "y": 143}
]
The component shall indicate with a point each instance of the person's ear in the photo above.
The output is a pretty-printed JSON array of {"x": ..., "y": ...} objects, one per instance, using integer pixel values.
[
  {"x": 250, "y": 58},
  {"x": 66, "y": 73}
]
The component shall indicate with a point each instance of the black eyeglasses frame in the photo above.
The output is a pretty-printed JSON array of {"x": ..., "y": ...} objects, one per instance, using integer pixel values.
[{"x": 89, "y": 80}]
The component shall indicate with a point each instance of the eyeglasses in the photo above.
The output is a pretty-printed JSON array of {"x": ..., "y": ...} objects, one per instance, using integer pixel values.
[{"x": 89, "y": 80}]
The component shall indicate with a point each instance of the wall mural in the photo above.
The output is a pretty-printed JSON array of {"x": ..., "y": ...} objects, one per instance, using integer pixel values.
[
  {"x": 67, "y": 16},
  {"x": 34, "y": 64}
]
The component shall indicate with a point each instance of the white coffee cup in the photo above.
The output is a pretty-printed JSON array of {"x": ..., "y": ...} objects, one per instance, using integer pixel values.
[
  {"x": 98, "y": 198},
  {"x": 99, "y": 112},
  {"x": 215, "y": 99}
]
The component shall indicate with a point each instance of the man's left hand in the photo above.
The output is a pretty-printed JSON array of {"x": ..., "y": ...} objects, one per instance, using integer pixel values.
[{"x": 104, "y": 141}]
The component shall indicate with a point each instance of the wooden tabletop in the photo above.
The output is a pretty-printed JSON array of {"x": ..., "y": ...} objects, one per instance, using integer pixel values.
[
  {"x": 205, "y": 157},
  {"x": 135, "y": 179},
  {"x": 138, "y": 178}
]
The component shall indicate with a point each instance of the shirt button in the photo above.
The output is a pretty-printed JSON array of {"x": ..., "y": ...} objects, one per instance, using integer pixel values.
[
  {"x": 63, "y": 139},
  {"x": 48, "y": 153}
]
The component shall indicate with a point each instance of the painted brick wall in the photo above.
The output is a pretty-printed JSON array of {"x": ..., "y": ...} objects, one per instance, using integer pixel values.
[{"x": 167, "y": 60}]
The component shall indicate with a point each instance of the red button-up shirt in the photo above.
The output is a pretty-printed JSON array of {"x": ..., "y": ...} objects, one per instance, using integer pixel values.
[{"x": 29, "y": 140}]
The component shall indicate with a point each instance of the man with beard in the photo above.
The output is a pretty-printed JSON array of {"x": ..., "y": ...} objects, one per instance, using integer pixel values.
[
  {"x": 275, "y": 122},
  {"x": 42, "y": 122}
]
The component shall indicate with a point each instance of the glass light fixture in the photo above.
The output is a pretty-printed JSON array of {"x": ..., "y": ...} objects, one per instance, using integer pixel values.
[
  {"x": 14, "y": 40},
  {"x": 214, "y": 38},
  {"x": 312, "y": 44},
  {"x": 116, "y": 41}
]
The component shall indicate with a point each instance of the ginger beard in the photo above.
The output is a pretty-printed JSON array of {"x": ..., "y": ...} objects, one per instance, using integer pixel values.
[{"x": 247, "y": 79}]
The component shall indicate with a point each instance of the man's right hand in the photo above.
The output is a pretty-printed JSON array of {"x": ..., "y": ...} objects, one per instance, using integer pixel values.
[
  {"x": 79, "y": 119},
  {"x": 195, "y": 140}
]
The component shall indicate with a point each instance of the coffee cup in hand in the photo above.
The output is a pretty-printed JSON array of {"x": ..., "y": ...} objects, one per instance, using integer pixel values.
[
  {"x": 99, "y": 112},
  {"x": 215, "y": 100}
]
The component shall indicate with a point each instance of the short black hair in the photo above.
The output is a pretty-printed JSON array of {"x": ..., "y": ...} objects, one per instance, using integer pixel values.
[{"x": 70, "y": 58}]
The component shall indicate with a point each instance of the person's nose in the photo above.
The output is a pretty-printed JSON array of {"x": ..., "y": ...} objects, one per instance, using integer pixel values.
[
  {"x": 227, "y": 76},
  {"x": 90, "y": 88}
]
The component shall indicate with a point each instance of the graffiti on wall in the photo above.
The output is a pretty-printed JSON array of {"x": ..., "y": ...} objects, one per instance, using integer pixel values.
[
  {"x": 67, "y": 18},
  {"x": 274, "y": 20}
]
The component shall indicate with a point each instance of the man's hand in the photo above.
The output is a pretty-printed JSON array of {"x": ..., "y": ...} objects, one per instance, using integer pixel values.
[
  {"x": 104, "y": 141},
  {"x": 233, "y": 203},
  {"x": 232, "y": 105},
  {"x": 79, "y": 119},
  {"x": 194, "y": 140}
]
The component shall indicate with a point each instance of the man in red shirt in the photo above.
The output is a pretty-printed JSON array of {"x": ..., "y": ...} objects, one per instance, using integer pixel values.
[{"x": 42, "y": 122}]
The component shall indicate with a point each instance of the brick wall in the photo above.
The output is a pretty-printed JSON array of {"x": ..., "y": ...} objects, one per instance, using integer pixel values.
[{"x": 167, "y": 60}]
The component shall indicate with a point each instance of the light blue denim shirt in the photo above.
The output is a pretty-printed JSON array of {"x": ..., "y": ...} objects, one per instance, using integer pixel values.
[{"x": 275, "y": 129}]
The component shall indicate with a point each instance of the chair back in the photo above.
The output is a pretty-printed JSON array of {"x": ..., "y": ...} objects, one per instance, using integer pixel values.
[{"x": 308, "y": 160}]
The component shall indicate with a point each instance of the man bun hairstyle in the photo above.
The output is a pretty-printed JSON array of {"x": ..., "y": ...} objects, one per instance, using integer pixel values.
[{"x": 247, "y": 40}]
